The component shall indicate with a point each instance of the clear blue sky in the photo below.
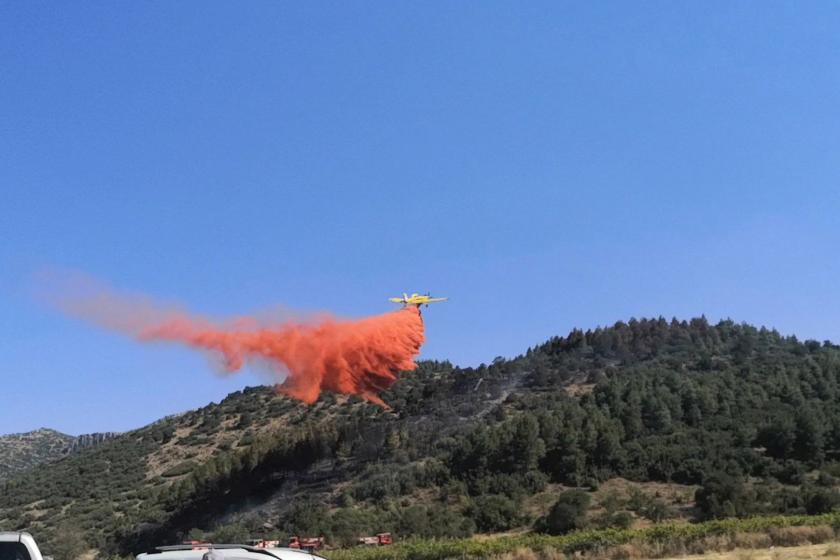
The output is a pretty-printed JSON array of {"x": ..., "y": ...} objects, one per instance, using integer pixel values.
[{"x": 547, "y": 165}]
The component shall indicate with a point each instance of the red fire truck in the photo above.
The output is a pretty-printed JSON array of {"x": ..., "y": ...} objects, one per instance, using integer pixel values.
[
  {"x": 307, "y": 543},
  {"x": 380, "y": 539}
]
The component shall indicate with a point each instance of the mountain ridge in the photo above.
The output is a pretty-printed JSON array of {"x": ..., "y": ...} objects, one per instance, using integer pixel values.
[{"x": 25, "y": 450}]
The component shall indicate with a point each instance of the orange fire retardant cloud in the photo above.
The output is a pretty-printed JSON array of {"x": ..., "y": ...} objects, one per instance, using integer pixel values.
[
  {"x": 353, "y": 357},
  {"x": 360, "y": 357}
]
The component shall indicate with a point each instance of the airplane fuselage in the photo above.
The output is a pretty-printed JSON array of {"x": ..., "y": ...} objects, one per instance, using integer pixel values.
[{"x": 416, "y": 299}]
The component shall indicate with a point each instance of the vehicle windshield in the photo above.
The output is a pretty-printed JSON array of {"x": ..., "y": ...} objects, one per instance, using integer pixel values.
[{"x": 13, "y": 551}]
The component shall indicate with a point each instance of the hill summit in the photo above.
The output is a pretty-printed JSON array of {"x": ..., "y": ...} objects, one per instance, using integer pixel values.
[{"x": 20, "y": 452}]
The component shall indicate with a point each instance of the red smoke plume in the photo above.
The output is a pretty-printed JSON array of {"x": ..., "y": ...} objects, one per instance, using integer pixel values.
[
  {"x": 351, "y": 357},
  {"x": 354, "y": 357}
]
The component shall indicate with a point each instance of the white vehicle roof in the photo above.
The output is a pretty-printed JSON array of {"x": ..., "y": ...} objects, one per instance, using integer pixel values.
[
  {"x": 18, "y": 545},
  {"x": 229, "y": 552},
  {"x": 12, "y": 536}
]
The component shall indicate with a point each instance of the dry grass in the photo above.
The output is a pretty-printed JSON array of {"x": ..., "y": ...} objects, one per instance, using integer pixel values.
[
  {"x": 748, "y": 547},
  {"x": 579, "y": 389},
  {"x": 785, "y": 543},
  {"x": 752, "y": 540},
  {"x": 798, "y": 536},
  {"x": 828, "y": 551},
  {"x": 519, "y": 554},
  {"x": 625, "y": 552},
  {"x": 711, "y": 543}
]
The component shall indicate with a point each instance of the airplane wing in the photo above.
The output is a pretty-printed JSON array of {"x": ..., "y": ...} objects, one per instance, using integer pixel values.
[
  {"x": 396, "y": 300},
  {"x": 434, "y": 299}
]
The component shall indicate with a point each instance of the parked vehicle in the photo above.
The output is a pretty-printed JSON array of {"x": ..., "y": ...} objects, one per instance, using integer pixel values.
[
  {"x": 197, "y": 551},
  {"x": 18, "y": 545},
  {"x": 306, "y": 543},
  {"x": 379, "y": 540}
]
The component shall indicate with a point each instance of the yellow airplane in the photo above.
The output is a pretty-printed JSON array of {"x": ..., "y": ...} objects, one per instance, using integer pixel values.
[{"x": 416, "y": 299}]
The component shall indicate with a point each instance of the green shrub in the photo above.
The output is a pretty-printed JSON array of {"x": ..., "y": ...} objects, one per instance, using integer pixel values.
[
  {"x": 619, "y": 520},
  {"x": 821, "y": 500},
  {"x": 494, "y": 512},
  {"x": 567, "y": 514}
]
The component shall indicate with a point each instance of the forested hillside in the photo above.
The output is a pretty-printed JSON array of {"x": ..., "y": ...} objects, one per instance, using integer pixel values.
[{"x": 630, "y": 424}]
